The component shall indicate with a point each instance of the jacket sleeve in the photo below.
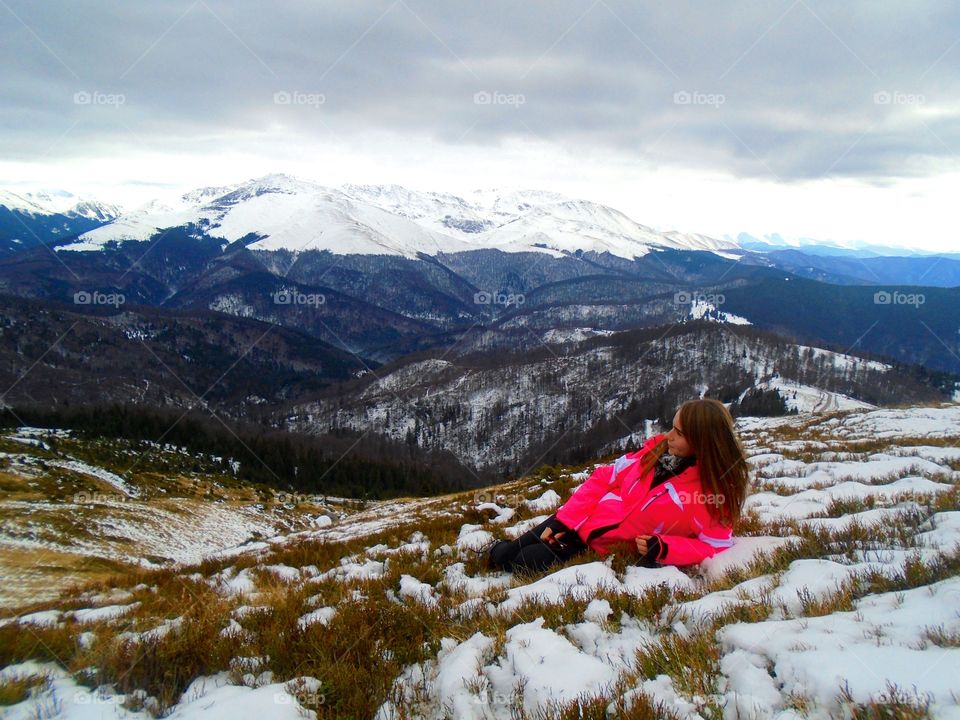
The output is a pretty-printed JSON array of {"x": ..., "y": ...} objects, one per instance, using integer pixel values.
[
  {"x": 681, "y": 550},
  {"x": 575, "y": 510}
]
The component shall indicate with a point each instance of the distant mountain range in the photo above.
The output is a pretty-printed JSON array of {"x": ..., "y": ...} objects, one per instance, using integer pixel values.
[
  {"x": 400, "y": 270},
  {"x": 280, "y": 212},
  {"x": 503, "y": 327},
  {"x": 829, "y": 248}
]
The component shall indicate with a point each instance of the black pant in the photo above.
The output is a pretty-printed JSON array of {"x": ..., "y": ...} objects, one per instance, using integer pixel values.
[{"x": 529, "y": 552}]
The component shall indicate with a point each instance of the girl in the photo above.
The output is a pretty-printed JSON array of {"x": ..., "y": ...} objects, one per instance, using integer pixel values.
[{"x": 675, "y": 501}]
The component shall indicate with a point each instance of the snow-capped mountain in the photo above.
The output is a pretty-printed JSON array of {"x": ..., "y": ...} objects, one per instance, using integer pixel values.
[
  {"x": 292, "y": 214},
  {"x": 573, "y": 225},
  {"x": 13, "y": 202},
  {"x": 58, "y": 202},
  {"x": 43, "y": 217},
  {"x": 286, "y": 214},
  {"x": 531, "y": 220}
]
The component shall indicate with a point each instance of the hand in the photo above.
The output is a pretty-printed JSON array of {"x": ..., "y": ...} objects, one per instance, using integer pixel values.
[
  {"x": 644, "y": 544},
  {"x": 551, "y": 538}
]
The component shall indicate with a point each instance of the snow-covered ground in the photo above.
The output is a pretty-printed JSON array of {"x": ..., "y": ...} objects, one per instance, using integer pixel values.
[
  {"x": 799, "y": 648},
  {"x": 807, "y": 399}
]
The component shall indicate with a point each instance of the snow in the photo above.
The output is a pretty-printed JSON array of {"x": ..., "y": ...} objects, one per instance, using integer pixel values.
[
  {"x": 556, "y": 336},
  {"x": 637, "y": 580},
  {"x": 873, "y": 470},
  {"x": 598, "y": 611},
  {"x": 457, "y": 662},
  {"x": 575, "y": 583},
  {"x": 105, "y": 475},
  {"x": 213, "y": 698},
  {"x": 929, "y": 422},
  {"x": 64, "y": 697},
  {"x": 744, "y": 551},
  {"x": 843, "y": 361},
  {"x": 210, "y": 698},
  {"x": 866, "y": 518},
  {"x": 283, "y": 572},
  {"x": 353, "y": 571},
  {"x": 808, "y": 399},
  {"x": 456, "y": 580},
  {"x": 323, "y": 616},
  {"x": 548, "y": 501},
  {"x": 57, "y": 202},
  {"x": 771, "y": 506},
  {"x": 474, "y": 538},
  {"x": 503, "y": 514},
  {"x": 548, "y": 667},
  {"x": 100, "y": 614},
  {"x": 229, "y": 582},
  {"x": 297, "y": 215},
  {"x": 700, "y": 309},
  {"x": 43, "y": 618},
  {"x": 863, "y": 650},
  {"x": 417, "y": 590},
  {"x": 944, "y": 532}
]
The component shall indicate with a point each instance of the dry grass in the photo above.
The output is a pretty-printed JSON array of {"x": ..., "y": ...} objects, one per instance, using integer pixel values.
[
  {"x": 942, "y": 637},
  {"x": 893, "y": 704},
  {"x": 691, "y": 660},
  {"x": 16, "y": 689}
]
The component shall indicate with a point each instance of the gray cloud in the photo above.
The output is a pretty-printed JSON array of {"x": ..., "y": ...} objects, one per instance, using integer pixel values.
[{"x": 793, "y": 90}]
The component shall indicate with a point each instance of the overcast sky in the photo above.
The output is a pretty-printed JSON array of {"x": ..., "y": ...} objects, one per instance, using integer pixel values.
[{"x": 836, "y": 120}]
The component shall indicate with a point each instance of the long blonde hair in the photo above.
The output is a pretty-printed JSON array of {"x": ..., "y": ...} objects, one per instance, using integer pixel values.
[{"x": 721, "y": 460}]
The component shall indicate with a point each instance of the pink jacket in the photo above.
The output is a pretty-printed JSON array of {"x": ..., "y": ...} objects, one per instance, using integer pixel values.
[{"x": 675, "y": 511}]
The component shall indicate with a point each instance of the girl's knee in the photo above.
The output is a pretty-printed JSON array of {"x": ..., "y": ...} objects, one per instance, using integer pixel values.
[{"x": 502, "y": 554}]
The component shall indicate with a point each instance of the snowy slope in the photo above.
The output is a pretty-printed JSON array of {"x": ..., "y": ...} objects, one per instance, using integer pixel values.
[
  {"x": 527, "y": 220},
  {"x": 807, "y": 399},
  {"x": 293, "y": 214},
  {"x": 288, "y": 213},
  {"x": 701, "y": 309},
  {"x": 576, "y": 225},
  {"x": 13, "y": 201},
  {"x": 440, "y": 212}
]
